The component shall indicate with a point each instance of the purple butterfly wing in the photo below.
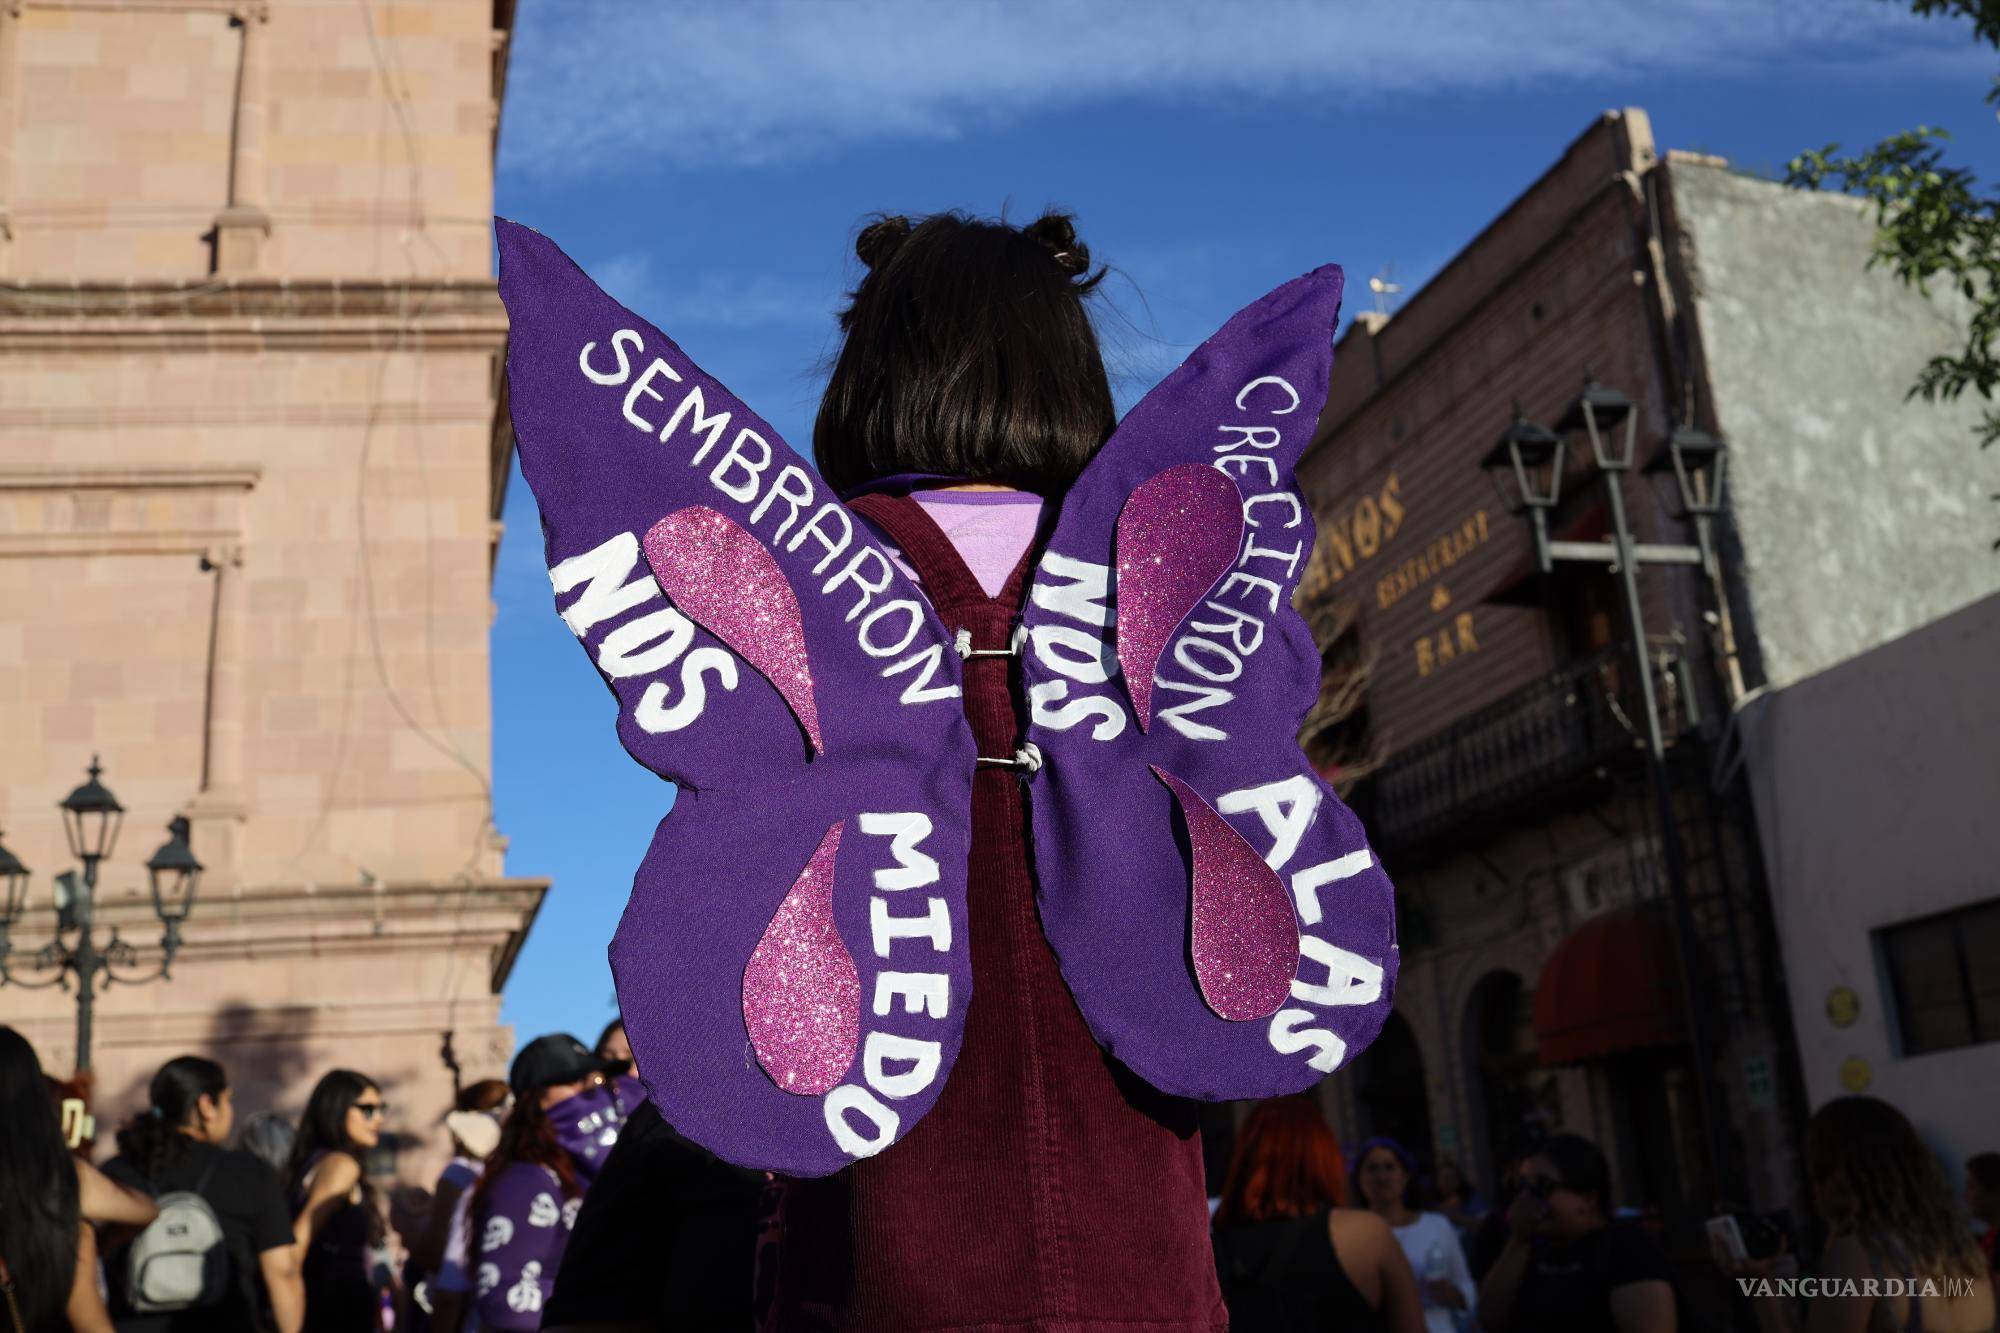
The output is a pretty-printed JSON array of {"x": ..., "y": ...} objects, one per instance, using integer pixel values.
[
  {"x": 1215, "y": 907},
  {"x": 792, "y": 965}
]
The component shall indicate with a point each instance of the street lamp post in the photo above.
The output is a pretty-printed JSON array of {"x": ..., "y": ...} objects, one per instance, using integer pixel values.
[
  {"x": 1535, "y": 457},
  {"x": 91, "y": 820}
]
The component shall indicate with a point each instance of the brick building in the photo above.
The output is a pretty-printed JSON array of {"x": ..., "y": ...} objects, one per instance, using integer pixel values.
[
  {"x": 1540, "y": 986},
  {"x": 252, "y": 451}
]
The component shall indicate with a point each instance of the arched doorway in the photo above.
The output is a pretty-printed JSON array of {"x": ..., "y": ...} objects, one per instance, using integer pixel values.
[
  {"x": 1515, "y": 1098},
  {"x": 1390, "y": 1095}
]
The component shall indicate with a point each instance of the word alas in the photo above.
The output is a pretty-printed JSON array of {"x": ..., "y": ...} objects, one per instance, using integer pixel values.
[{"x": 1329, "y": 977}]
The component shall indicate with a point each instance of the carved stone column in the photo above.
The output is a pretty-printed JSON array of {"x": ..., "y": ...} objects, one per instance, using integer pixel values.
[{"x": 243, "y": 224}]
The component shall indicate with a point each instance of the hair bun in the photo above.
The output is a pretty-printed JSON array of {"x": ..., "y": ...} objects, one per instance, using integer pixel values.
[
  {"x": 1056, "y": 233},
  {"x": 880, "y": 239}
]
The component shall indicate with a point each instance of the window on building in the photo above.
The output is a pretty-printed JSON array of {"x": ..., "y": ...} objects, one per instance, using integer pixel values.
[{"x": 1944, "y": 972}]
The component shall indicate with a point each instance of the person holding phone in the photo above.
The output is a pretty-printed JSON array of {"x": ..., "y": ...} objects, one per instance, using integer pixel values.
[
  {"x": 1889, "y": 1215},
  {"x": 1567, "y": 1266}
]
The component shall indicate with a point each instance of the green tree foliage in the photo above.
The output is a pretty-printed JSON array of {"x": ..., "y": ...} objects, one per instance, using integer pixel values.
[{"x": 1935, "y": 225}]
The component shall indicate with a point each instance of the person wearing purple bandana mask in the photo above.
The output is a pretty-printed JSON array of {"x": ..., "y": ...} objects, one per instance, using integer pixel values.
[{"x": 563, "y": 1124}]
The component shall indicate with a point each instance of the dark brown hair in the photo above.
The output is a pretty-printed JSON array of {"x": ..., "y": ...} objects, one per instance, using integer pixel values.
[
  {"x": 38, "y": 1219},
  {"x": 488, "y": 1094},
  {"x": 1286, "y": 1164},
  {"x": 1873, "y": 1179},
  {"x": 967, "y": 352},
  {"x": 525, "y": 1136},
  {"x": 1580, "y": 1166}
]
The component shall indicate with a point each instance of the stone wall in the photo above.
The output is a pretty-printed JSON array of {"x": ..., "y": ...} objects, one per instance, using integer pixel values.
[{"x": 250, "y": 460}]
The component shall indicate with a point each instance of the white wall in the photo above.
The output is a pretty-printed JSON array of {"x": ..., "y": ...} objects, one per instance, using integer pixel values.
[
  {"x": 1861, "y": 515},
  {"x": 1877, "y": 787}
]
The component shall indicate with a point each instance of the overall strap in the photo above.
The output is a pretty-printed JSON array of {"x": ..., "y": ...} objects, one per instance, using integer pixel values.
[{"x": 985, "y": 627}]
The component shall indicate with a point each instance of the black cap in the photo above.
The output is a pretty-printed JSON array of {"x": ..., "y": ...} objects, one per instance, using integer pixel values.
[{"x": 555, "y": 1058}]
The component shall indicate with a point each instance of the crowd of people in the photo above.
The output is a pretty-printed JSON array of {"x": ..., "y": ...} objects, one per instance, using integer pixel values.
[
  {"x": 568, "y": 1203},
  {"x": 1302, "y": 1243},
  {"x": 197, "y": 1223}
]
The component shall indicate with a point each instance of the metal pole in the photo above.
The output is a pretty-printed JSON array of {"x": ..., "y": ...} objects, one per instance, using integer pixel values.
[
  {"x": 84, "y": 960},
  {"x": 1670, "y": 843}
]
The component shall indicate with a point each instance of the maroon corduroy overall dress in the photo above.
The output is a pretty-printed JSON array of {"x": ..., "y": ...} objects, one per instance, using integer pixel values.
[{"x": 1049, "y": 1189}]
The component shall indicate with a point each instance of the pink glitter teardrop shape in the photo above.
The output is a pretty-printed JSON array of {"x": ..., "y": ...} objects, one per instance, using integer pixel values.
[
  {"x": 1243, "y": 934},
  {"x": 801, "y": 993},
  {"x": 1178, "y": 533},
  {"x": 724, "y": 579}
]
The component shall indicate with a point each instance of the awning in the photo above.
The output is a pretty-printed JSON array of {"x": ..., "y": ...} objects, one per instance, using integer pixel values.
[{"x": 1612, "y": 985}]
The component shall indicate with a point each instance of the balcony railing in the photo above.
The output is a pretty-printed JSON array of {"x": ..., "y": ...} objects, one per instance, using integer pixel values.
[{"x": 1546, "y": 744}]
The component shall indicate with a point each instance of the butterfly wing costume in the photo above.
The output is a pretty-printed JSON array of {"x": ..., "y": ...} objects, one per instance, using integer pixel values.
[{"x": 793, "y": 965}]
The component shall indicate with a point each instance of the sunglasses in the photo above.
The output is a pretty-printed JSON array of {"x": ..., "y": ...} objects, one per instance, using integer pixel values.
[
  {"x": 373, "y": 1110},
  {"x": 1541, "y": 1186}
]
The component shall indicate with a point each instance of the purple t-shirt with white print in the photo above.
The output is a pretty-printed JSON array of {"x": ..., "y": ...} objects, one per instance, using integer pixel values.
[{"x": 519, "y": 1237}]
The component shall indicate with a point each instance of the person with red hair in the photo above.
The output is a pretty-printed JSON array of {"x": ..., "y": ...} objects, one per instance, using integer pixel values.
[{"x": 1288, "y": 1251}]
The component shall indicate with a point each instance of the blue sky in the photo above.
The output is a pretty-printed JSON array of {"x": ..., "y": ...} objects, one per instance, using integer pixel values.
[{"x": 710, "y": 163}]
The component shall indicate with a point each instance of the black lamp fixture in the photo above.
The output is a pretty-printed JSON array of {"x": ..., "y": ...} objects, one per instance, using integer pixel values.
[
  {"x": 1699, "y": 463},
  {"x": 175, "y": 874},
  {"x": 77, "y": 956},
  {"x": 1534, "y": 454},
  {"x": 91, "y": 817},
  {"x": 13, "y": 892},
  {"x": 1609, "y": 418}
]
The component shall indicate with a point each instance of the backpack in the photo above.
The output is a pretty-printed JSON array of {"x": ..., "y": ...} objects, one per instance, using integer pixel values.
[{"x": 179, "y": 1262}]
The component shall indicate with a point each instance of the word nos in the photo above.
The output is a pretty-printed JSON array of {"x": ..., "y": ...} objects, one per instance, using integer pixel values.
[
  {"x": 1443, "y": 646},
  {"x": 886, "y": 630},
  {"x": 1287, "y": 809},
  {"x": 927, "y": 993},
  {"x": 1442, "y": 552},
  {"x": 1364, "y": 528},
  {"x": 1226, "y": 630}
]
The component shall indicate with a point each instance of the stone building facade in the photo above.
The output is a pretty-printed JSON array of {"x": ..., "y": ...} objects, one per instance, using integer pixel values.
[
  {"x": 252, "y": 450},
  {"x": 1541, "y": 979},
  {"x": 1540, "y": 986}
]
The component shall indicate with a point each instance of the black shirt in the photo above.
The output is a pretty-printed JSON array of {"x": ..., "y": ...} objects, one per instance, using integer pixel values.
[
  {"x": 666, "y": 1237},
  {"x": 1567, "y": 1288},
  {"x": 248, "y": 1202},
  {"x": 1283, "y": 1276}
]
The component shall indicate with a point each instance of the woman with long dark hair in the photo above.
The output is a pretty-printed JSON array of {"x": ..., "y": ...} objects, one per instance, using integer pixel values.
[
  {"x": 50, "y": 1200},
  {"x": 1889, "y": 1216},
  {"x": 1567, "y": 1265},
  {"x": 337, "y": 1219},
  {"x": 562, "y": 1126},
  {"x": 1288, "y": 1252},
  {"x": 176, "y": 1145},
  {"x": 40, "y": 1225}
]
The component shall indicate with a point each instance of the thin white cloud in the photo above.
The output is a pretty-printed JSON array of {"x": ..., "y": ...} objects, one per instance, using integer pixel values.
[{"x": 620, "y": 85}]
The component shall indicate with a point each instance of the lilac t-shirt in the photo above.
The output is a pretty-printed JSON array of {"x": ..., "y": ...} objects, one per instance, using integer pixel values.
[{"x": 989, "y": 529}]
